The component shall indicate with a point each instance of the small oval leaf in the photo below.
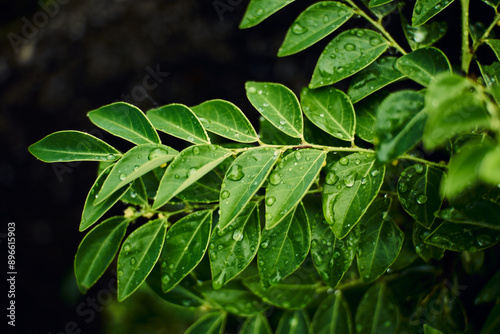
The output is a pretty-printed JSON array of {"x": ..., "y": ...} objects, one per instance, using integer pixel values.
[
  {"x": 333, "y": 316},
  {"x": 259, "y": 10},
  {"x": 424, "y": 10},
  {"x": 211, "y": 323},
  {"x": 293, "y": 322},
  {"x": 365, "y": 115},
  {"x": 256, "y": 324},
  {"x": 423, "y": 65},
  {"x": 377, "y": 312}
]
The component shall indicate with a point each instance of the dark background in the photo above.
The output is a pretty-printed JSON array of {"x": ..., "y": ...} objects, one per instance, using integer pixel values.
[{"x": 91, "y": 53}]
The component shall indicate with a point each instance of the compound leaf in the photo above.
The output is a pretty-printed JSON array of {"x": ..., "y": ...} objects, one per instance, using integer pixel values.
[
  {"x": 423, "y": 65},
  {"x": 333, "y": 316}
]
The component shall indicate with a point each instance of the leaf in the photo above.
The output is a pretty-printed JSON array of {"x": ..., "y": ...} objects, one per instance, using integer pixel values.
[
  {"x": 270, "y": 134},
  {"x": 491, "y": 291},
  {"x": 284, "y": 247},
  {"x": 333, "y": 316},
  {"x": 256, "y": 324},
  {"x": 138, "y": 255},
  {"x": 188, "y": 167},
  {"x": 492, "y": 324},
  {"x": 73, "y": 146},
  {"x": 492, "y": 3},
  {"x": 489, "y": 171},
  {"x": 423, "y": 65},
  {"x": 365, "y": 115},
  {"x": 379, "y": 74},
  {"x": 332, "y": 257},
  {"x": 424, "y": 10},
  {"x": 225, "y": 119},
  {"x": 375, "y": 3},
  {"x": 292, "y": 293},
  {"x": 136, "y": 194},
  {"x": 185, "y": 245},
  {"x": 423, "y": 35},
  {"x": 125, "y": 121},
  {"x": 243, "y": 179},
  {"x": 179, "y": 121},
  {"x": 383, "y": 10},
  {"x": 207, "y": 188},
  {"x": 232, "y": 250},
  {"x": 313, "y": 24},
  {"x": 290, "y": 181},
  {"x": 259, "y": 10},
  {"x": 330, "y": 110},
  {"x": 491, "y": 75},
  {"x": 97, "y": 250},
  {"x": 380, "y": 241},
  {"x": 430, "y": 330},
  {"x": 315, "y": 136},
  {"x": 293, "y": 322},
  {"x": 211, "y": 323},
  {"x": 399, "y": 124},
  {"x": 278, "y": 104},
  {"x": 92, "y": 211},
  {"x": 424, "y": 250},
  {"x": 494, "y": 44},
  {"x": 377, "y": 312},
  {"x": 234, "y": 298},
  {"x": 350, "y": 186},
  {"x": 135, "y": 163},
  {"x": 346, "y": 54},
  {"x": 481, "y": 212},
  {"x": 418, "y": 192}
]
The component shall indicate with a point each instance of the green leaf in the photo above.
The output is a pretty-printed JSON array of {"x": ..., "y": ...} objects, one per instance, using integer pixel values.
[
  {"x": 293, "y": 322},
  {"x": 136, "y": 194},
  {"x": 399, "y": 124},
  {"x": 188, "y": 167},
  {"x": 125, "y": 121},
  {"x": 332, "y": 257},
  {"x": 350, "y": 186},
  {"x": 185, "y": 245},
  {"x": 491, "y": 291},
  {"x": 284, "y": 247},
  {"x": 380, "y": 241},
  {"x": 207, "y": 189},
  {"x": 418, "y": 192},
  {"x": 423, "y": 35},
  {"x": 375, "y": 3},
  {"x": 430, "y": 330},
  {"x": 379, "y": 74},
  {"x": 424, "y": 10},
  {"x": 292, "y": 293},
  {"x": 348, "y": 53},
  {"x": 482, "y": 213},
  {"x": 423, "y": 65},
  {"x": 179, "y": 121},
  {"x": 270, "y": 134},
  {"x": 290, "y": 181},
  {"x": 365, "y": 115},
  {"x": 256, "y": 324},
  {"x": 424, "y": 250},
  {"x": 135, "y": 163},
  {"x": 73, "y": 146},
  {"x": 492, "y": 324},
  {"x": 92, "y": 211},
  {"x": 377, "y": 312},
  {"x": 259, "y": 10},
  {"x": 494, "y": 45},
  {"x": 313, "y": 24},
  {"x": 245, "y": 176},
  {"x": 211, "y": 323},
  {"x": 381, "y": 11},
  {"x": 491, "y": 75},
  {"x": 330, "y": 110},
  {"x": 97, "y": 250},
  {"x": 489, "y": 171},
  {"x": 138, "y": 255},
  {"x": 232, "y": 250},
  {"x": 333, "y": 316},
  {"x": 225, "y": 119},
  {"x": 278, "y": 104}
]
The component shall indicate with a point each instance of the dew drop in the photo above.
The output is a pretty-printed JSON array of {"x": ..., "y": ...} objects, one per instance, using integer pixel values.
[
  {"x": 157, "y": 153},
  {"x": 220, "y": 247},
  {"x": 421, "y": 199},
  {"x": 235, "y": 173},
  {"x": 132, "y": 261},
  {"x": 344, "y": 161},
  {"x": 126, "y": 248},
  {"x": 165, "y": 279},
  {"x": 191, "y": 171},
  {"x": 269, "y": 216},
  {"x": 419, "y": 168},
  {"x": 238, "y": 235},
  {"x": 298, "y": 29},
  {"x": 171, "y": 266},
  {"x": 270, "y": 200},
  {"x": 349, "y": 47},
  {"x": 110, "y": 157},
  {"x": 298, "y": 155},
  {"x": 374, "y": 41},
  {"x": 122, "y": 176},
  {"x": 402, "y": 187},
  {"x": 225, "y": 194},
  {"x": 375, "y": 172},
  {"x": 275, "y": 178},
  {"x": 331, "y": 178},
  {"x": 196, "y": 150},
  {"x": 264, "y": 244},
  {"x": 350, "y": 179}
]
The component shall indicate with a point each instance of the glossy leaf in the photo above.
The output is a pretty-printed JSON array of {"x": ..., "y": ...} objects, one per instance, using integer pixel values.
[
  {"x": 365, "y": 115},
  {"x": 424, "y": 250},
  {"x": 332, "y": 257},
  {"x": 348, "y": 53},
  {"x": 293, "y": 322},
  {"x": 383, "y": 10},
  {"x": 424, "y": 10},
  {"x": 270, "y": 134},
  {"x": 481, "y": 212},
  {"x": 73, "y": 146},
  {"x": 375, "y": 3},
  {"x": 256, "y": 324},
  {"x": 330, "y": 110},
  {"x": 278, "y": 104},
  {"x": 259, "y": 10},
  {"x": 491, "y": 291},
  {"x": 423, "y": 65},
  {"x": 225, "y": 119},
  {"x": 494, "y": 45},
  {"x": 491, "y": 75},
  {"x": 284, "y": 247},
  {"x": 290, "y": 181},
  {"x": 135, "y": 163},
  {"x": 333, "y": 316},
  {"x": 188, "y": 167},
  {"x": 207, "y": 188},
  {"x": 462, "y": 237},
  {"x": 92, "y": 211},
  {"x": 179, "y": 121},
  {"x": 211, "y": 323},
  {"x": 350, "y": 186},
  {"x": 379, "y": 74},
  {"x": 380, "y": 241},
  {"x": 185, "y": 246},
  {"x": 138, "y": 255},
  {"x": 242, "y": 180},
  {"x": 232, "y": 250},
  {"x": 399, "y": 124},
  {"x": 490, "y": 166},
  {"x": 423, "y": 35},
  {"x": 97, "y": 250},
  {"x": 125, "y": 121},
  {"x": 313, "y": 24},
  {"x": 418, "y": 192},
  {"x": 136, "y": 194},
  {"x": 377, "y": 312}
]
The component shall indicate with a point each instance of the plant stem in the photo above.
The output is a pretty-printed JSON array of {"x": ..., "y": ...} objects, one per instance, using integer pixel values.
[
  {"x": 466, "y": 52},
  {"x": 427, "y": 162},
  {"x": 486, "y": 34}
]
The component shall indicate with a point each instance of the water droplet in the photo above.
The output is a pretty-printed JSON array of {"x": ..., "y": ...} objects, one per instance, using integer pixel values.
[
  {"x": 120, "y": 272},
  {"x": 270, "y": 200},
  {"x": 419, "y": 168},
  {"x": 298, "y": 155},
  {"x": 110, "y": 157},
  {"x": 190, "y": 138},
  {"x": 350, "y": 179},
  {"x": 282, "y": 122},
  {"x": 235, "y": 173},
  {"x": 268, "y": 216},
  {"x": 252, "y": 89},
  {"x": 402, "y": 187},
  {"x": 136, "y": 168},
  {"x": 298, "y": 29},
  {"x": 238, "y": 235},
  {"x": 191, "y": 171},
  {"x": 126, "y": 248},
  {"x": 421, "y": 199},
  {"x": 132, "y": 261},
  {"x": 213, "y": 256},
  {"x": 374, "y": 41},
  {"x": 165, "y": 279},
  {"x": 122, "y": 176},
  {"x": 375, "y": 172},
  {"x": 275, "y": 178},
  {"x": 349, "y": 47},
  {"x": 225, "y": 194},
  {"x": 340, "y": 69},
  {"x": 157, "y": 153},
  {"x": 196, "y": 150},
  {"x": 264, "y": 244},
  {"x": 331, "y": 178},
  {"x": 364, "y": 180},
  {"x": 321, "y": 115},
  {"x": 259, "y": 12},
  {"x": 171, "y": 266},
  {"x": 344, "y": 161},
  {"x": 220, "y": 247},
  {"x": 483, "y": 240}
]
